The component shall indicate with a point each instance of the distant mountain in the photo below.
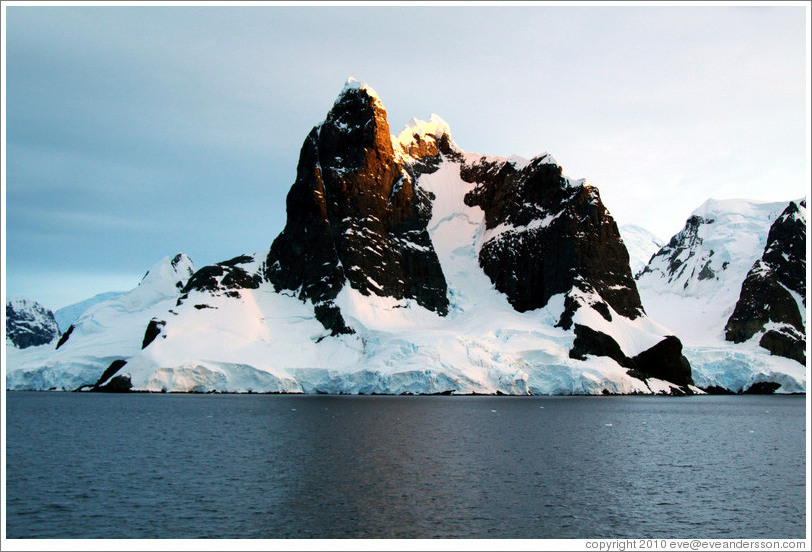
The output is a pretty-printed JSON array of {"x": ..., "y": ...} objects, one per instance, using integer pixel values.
[
  {"x": 735, "y": 255},
  {"x": 68, "y": 315},
  {"x": 641, "y": 245},
  {"x": 29, "y": 324}
]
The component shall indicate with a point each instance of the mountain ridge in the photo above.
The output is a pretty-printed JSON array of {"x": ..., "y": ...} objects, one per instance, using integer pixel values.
[{"x": 406, "y": 265}]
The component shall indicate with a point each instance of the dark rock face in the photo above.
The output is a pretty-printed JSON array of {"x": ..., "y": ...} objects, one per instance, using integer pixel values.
[
  {"x": 786, "y": 342},
  {"x": 227, "y": 278},
  {"x": 663, "y": 361},
  {"x": 765, "y": 295},
  {"x": 65, "y": 336},
  {"x": 114, "y": 367},
  {"x": 551, "y": 235},
  {"x": 592, "y": 342},
  {"x": 117, "y": 384},
  {"x": 29, "y": 324},
  {"x": 153, "y": 330},
  {"x": 355, "y": 216},
  {"x": 762, "y": 388}
]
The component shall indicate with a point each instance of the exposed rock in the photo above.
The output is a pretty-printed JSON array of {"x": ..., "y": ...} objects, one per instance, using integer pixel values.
[
  {"x": 153, "y": 330},
  {"x": 775, "y": 289},
  {"x": 109, "y": 372},
  {"x": 762, "y": 388},
  {"x": 592, "y": 342},
  {"x": 548, "y": 236},
  {"x": 786, "y": 342},
  {"x": 118, "y": 384},
  {"x": 65, "y": 336},
  {"x": 222, "y": 277},
  {"x": 662, "y": 361},
  {"x": 355, "y": 216},
  {"x": 330, "y": 317},
  {"x": 29, "y": 324},
  {"x": 665, "y": 361}
]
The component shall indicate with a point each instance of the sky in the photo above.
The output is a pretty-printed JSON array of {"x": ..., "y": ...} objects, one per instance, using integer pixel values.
[{"x": 133, "y": 133}]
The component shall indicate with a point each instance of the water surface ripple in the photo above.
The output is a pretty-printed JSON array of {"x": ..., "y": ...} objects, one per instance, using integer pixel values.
[{"x": 83, "y": 465}]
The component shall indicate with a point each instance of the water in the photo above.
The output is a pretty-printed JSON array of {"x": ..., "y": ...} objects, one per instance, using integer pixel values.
[{"x": 268, "y": 466}]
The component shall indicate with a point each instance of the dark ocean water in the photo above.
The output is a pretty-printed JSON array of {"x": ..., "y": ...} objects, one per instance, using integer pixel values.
[{"x": 275, "y": 466}]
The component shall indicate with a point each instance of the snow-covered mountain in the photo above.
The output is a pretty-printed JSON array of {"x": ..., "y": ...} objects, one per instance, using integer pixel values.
[
  {"x": 772, "y": 306},
  {"x": 641, "y": 245},
  {"x": 68, "y": 315},
  {"x": 693, "y": 284},
  {"x": 29, "y": 324},
  {"x": 406, "y": 266},
  {"x": 104, "y": 333}
]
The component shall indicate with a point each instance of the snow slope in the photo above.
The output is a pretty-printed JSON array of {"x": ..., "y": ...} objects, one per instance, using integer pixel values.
[
  {"x": 68, "y": 315},
  {"x": 641, "y": 245},
  {"x": 105, "y": 332}
]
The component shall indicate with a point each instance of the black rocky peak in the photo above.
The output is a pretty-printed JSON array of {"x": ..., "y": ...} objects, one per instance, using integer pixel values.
[
  {"x": 550, "y": 235},
  {"x": 765, "y": 294},
  {"x": 355, "y": 216}
]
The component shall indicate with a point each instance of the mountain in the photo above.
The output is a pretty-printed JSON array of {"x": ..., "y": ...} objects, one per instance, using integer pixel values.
[
  {"x": 105, "y": 332},
  {"x": 68, "y": 315},
  {"x": 355, "y": 217},
  {"x": 694, "y": 283},
  {"x": 772, "y": 304},
  {"x": 641, "y": 245},
  {"x": 29, "y": 324},
  {"x": 407, "y": 265}
]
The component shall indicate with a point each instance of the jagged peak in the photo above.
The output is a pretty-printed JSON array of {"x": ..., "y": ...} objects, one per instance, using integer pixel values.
[
  {"x": 797, "y": 209},
  {"x": 520, "y": 162},
  {"x": 419, "y": 138},
  {"x": 356, "y": 105},
  {"x": 435, "y": 126},
  {"x": 353, "y": 85},
  {"x": 20, "y": 302}
]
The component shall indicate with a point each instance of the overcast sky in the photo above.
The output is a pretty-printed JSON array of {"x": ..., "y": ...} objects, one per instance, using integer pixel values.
[{"x": 133, "y": 133}]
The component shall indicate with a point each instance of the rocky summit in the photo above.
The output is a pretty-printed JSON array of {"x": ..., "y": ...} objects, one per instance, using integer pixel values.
[
  {"x": 773, "y": 294},
  {"x": 355, "y": 217}
]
